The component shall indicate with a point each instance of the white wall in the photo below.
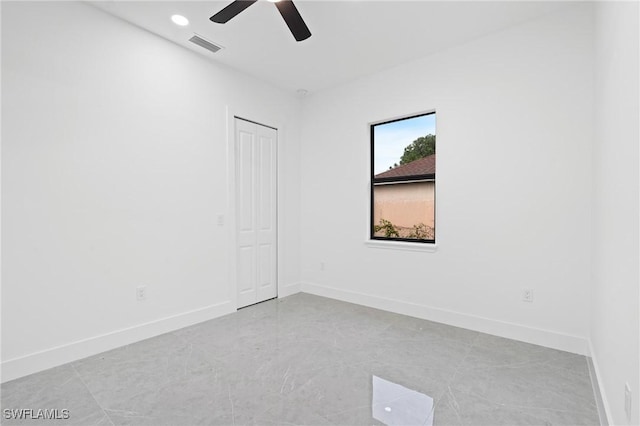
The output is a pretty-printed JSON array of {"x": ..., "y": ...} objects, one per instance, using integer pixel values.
[
  {"x": 614, "y": 318},
  {"x": 514, "y": 125},
  {"x": 114, "y": 170}
]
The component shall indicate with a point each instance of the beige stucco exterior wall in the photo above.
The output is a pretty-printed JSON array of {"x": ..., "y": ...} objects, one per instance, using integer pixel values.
[{"x": 404, "y": 204}]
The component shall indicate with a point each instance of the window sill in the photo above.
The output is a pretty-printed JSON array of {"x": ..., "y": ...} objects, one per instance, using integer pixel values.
[{"x": 401, "y": 245}]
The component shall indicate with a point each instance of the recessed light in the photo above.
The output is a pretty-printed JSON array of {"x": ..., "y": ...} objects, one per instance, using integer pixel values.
[{"x": 180, "y": 20}]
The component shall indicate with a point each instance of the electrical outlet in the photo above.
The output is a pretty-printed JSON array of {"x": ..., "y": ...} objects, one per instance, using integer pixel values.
[
  {"x": 141, "y": 292},
  {"x": 627, "y": 401},
  {"x": 220, "y": 220},
  {"x": 527, "y": 295},
  {"x": 322, "y": 266}
]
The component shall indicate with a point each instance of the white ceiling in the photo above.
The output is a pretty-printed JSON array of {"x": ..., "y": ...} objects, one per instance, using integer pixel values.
[{"x": 350, "y": 38}]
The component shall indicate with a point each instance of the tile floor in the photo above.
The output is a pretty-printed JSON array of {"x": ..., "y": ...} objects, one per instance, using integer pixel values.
[{"x": 308, "y": 360}]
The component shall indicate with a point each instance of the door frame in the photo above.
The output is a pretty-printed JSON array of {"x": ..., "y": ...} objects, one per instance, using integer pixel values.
[{"x": 232, "y": 241}]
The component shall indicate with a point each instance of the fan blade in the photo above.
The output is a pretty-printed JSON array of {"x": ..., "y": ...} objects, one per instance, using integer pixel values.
[
  {"x": 231, "y": 10},
  {"x": 293, "y": 19}
]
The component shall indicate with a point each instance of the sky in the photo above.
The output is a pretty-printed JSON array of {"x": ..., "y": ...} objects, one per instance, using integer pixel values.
[{"x": 390, "y": 139}]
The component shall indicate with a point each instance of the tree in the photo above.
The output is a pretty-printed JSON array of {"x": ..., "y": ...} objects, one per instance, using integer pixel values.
[{"x": 422, "y": 147}]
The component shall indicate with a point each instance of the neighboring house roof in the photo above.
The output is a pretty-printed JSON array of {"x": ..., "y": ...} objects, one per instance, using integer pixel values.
[{"x": 421, "y": 166}]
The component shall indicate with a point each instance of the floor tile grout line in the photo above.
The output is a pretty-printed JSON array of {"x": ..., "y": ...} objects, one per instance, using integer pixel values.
[
  {"x": 520, "y": 407},
  {"x": 524, "y": 364},
  {"x": 92, "y": 395},
  {"x": 548, "y": 363},
  {"x": 516, "y": 407},
  {"x": 453, "y": 376},
  {"x": 516, "y": 365},
  {"x": 466, "y": 355}
]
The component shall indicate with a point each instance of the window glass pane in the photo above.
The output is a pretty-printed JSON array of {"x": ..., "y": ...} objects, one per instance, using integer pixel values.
[{"x": 403, "y": 179}]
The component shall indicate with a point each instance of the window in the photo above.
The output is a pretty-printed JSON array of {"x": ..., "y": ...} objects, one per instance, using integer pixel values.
[{"x": 403, "y": 179}]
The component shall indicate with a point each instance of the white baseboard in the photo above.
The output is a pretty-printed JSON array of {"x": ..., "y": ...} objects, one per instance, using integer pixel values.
[
  {"x": 602, "y": 402},
  {"x": 537, "y": 336},
  {"x": 289, "y": 289},
  {"x": 53, "y": 357},
  {"x": 32, "y": 363}
]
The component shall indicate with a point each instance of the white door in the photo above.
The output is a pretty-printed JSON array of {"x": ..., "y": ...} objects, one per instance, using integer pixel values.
[{"x": 255, "y": 152}]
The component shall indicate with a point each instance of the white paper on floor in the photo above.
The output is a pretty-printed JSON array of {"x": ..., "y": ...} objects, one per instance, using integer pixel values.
[{"x": 393, "y": 404}]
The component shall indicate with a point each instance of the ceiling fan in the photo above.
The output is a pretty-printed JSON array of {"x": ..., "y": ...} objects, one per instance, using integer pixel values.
[{"x": 286, "y": 8}]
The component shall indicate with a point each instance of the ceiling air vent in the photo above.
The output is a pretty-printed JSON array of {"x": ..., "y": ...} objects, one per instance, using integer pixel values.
[{"x": 196, "y": 39}]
